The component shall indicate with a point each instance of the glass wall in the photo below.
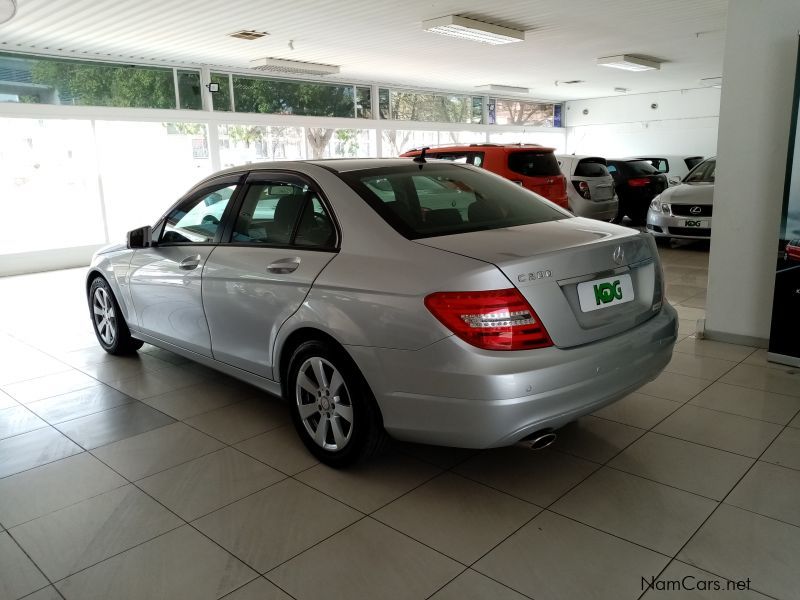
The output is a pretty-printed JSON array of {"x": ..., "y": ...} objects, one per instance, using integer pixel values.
[
  {"x": 284, "y": 97},
  {"x": 522, "y": 112},
  {"x": 49, "y": 81},
  {"x": 405, "y": 105},
  {"x": 553, "y": 139},
  {"x": 49, "y": 192},
  {"x": 245, "y": 144},
  {"x": 397, "y": 141},
  {"x": 146, "y": 167}
]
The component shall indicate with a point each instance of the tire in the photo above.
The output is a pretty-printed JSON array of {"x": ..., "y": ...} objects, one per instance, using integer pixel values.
[
  {"x": 109, "y": 325},
  {"x": 339, "y": 423}
]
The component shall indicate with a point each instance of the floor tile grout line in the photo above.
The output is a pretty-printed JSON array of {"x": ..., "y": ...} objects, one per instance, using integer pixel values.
[
  {"x": 721, "y": 502},
  {"x": 33, "y": 562}
]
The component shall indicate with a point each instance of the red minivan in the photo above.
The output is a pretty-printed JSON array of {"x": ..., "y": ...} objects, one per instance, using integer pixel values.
[{"x": 532, "y": 166}]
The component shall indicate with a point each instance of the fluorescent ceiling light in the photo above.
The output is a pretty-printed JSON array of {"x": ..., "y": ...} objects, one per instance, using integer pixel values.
[
  {"x": 279, "y": 65},
  {"x": 8, "y": 9},
  {"x": 629, "y": 63},
  {"x": 712, "y": 82},
  {"x": 470, "y": 29},
  {"x": 505, "y": 89}
]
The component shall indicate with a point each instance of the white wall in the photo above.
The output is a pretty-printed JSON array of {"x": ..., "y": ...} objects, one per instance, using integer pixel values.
[
  {"x": 755, "y": 117},
  {"x": 685, "y": 122}
]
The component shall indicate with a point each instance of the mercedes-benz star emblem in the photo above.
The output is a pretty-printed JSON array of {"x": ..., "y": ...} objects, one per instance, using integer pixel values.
[
  {"x": 619, "y": 255},
  {"x": 696, "y": 210}
]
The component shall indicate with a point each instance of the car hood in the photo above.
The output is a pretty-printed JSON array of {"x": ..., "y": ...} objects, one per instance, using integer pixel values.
[{"x": 689, "y": 193}]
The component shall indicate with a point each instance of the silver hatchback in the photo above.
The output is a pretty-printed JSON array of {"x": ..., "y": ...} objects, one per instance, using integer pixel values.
[{"x": 432, "y": 302}]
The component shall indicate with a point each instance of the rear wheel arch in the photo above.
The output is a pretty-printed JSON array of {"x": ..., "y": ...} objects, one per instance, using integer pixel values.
[{"x": 293, "y": 341}]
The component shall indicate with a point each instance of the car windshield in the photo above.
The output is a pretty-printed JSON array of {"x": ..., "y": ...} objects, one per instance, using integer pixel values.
[
  {"x": 437, "y": 199},
  {"x": 703, "y": 173}
]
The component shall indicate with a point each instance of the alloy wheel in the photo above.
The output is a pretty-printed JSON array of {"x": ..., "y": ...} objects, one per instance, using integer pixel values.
[
  {"x": 105, "y": 318},
  {"x": 324, "y": 403}
]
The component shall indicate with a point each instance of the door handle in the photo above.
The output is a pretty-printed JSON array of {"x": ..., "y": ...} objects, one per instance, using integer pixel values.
[
  {"x": 284, "y": 266},
  {"x": 189, "y": 263}
]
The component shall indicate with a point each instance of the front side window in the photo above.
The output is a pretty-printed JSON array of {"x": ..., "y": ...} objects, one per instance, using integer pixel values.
[
  {"x": 704, "y": 173},
  {"x": 442, "y": 199},
  {"x": 283, "y": 213},
  {"x": 197, "y": 220}
]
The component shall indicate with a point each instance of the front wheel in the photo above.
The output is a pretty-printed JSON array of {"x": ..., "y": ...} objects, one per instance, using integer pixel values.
[
  {"x": 333, "y": 408},
  {"x": 109, "y": 325}
]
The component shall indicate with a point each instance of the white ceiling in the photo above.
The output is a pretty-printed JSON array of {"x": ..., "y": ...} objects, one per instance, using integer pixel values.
[{"x": 382, "y": 40}]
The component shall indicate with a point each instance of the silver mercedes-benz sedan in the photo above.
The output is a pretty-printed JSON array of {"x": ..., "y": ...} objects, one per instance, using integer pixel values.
[{"x": 430, "y": 301}]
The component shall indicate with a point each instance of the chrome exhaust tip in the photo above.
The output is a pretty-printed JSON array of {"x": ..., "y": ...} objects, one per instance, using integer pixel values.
[{"x": 540, "y": 441}]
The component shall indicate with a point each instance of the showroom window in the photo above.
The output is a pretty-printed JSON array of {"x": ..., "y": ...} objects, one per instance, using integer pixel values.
[
  {"x": 503, "y": 111},
  {"x": 285, "y": 97},
  {"x": 407, "y": 105},
  {"x": 397, "y": 141},
  {"x": 36, "y": 80}
]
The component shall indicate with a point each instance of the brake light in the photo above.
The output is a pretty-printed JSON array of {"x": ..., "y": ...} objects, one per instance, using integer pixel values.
[
  {"x": 583, "y": 189},
  {"x": 492, "y": 320},
  {"x": 638, "y": 181}
]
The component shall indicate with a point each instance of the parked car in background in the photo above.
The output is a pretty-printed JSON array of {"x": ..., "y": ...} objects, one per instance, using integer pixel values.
[
  {"x": 435, "y": 302},
  {"x": 637, "y": 182},
  {"x": 685, "y": 211},
  {"x": 532, "y": 166},
  {"x": 590, "y": 187},
  {"x": 674, "y": 167}
]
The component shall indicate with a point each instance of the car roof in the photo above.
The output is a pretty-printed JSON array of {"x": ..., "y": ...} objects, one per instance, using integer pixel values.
[{"x": 472, "y": 147}]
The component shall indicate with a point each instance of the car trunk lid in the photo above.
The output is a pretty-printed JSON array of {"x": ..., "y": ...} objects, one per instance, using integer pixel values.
[{"x": 549, "y": 262}]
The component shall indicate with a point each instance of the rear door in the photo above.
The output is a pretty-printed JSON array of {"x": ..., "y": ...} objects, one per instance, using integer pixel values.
[
  {"x": 281, "y": 236},
  {"x": 537, "y": 170},
  {"x": 593, "y": 171}
]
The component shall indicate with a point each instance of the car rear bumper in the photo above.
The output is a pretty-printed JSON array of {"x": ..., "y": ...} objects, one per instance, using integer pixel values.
[
  {"x": 663, "y": 225},
  {"x": 603, "y": 210},
  {"x": 453, "y": 394}
]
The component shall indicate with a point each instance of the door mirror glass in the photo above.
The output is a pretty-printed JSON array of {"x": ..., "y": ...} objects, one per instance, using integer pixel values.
[{"x": 140, "y": 238}]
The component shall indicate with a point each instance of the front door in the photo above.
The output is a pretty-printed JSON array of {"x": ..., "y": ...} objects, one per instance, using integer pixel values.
[
  {"x": 165, "y": 279},
  {"x": 282, "y": 237}
]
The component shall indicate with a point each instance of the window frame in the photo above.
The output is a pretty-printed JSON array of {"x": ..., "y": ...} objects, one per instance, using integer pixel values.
[
  {"x": 202, "y": 189},
  {"x": 264, "y": 176}
]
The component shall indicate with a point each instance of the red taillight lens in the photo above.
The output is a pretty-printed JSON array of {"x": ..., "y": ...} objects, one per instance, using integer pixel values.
[
  {"x": 638, "y": 181},
  {"x": 492, "y": 320},
  {"x": 583, "y": 189}
]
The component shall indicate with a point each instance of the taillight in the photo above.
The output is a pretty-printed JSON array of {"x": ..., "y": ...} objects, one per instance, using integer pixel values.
[
  {"x": 638, "y": 181},
  {"x": 492, "y": 320},
  {"x": 583, "y": 189}
]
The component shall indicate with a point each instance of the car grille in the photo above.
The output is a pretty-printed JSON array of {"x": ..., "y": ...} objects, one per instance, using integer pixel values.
[
  {"x": 692, "y": 231},
  {"x": 685, "y": 210}
]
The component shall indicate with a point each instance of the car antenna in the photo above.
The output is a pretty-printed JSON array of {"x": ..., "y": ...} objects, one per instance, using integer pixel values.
[{"x": 421, "y": 158}]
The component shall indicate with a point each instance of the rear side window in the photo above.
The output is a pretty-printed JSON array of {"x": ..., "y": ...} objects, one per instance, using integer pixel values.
[
  {"x": 591, "y": 168},
  {"x": 442, "y": 199},
  {"x": 534, "y": 164},
  {"x": 635, "y": 168}
]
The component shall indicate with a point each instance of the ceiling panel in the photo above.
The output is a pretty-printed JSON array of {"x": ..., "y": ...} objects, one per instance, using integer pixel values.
[{"x": 382, "y": 40}]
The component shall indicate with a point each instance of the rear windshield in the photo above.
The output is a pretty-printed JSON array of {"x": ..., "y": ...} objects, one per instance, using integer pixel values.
[
  {"x": 589, "y": 167},
  {"x": 638, "y": 167},
  {"x": 704, "y": 173},
  {"x": 440, "y": 199},
  {"x": 534, "y": 164}
]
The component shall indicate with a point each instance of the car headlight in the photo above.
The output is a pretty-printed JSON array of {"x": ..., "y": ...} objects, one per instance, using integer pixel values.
[
  {"x": 656, "y": 203},
  {"x": 665, "y": 208}
]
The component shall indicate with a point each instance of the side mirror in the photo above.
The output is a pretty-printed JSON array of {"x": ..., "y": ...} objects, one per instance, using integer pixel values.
[
  {"x": 675, "y": 180},
  {"x": 140, "y": 238}
]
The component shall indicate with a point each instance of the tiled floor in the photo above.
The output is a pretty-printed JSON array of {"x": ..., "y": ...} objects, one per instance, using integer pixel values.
[{"x": 151, "y": 477}]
